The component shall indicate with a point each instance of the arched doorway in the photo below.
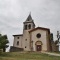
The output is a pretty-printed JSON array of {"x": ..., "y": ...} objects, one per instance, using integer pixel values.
[{"x": 38, "y": 46}]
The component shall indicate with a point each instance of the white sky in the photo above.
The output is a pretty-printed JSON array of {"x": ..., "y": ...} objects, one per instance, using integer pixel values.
[{"x": 46, "y": 13}]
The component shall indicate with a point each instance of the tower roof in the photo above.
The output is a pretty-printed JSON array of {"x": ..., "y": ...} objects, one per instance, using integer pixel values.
[{"x": 29, "y": 17}]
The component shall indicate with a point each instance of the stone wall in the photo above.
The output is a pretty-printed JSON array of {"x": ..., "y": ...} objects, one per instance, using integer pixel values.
[{"x": 15, "y": 49}]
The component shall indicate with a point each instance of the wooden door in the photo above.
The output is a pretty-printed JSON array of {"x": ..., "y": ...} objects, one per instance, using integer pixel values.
[{"x": 38, "y": 47}]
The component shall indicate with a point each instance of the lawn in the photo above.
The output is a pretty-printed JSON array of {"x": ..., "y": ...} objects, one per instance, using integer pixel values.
[{"x": 27, "y": 56}]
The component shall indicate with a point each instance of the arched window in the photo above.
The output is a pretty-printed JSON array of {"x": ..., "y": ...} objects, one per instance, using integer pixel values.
[
  {"x": 17, "y": 42},
  {"x": 25, "y": 27},
  {"x": 29, "y": 26}
]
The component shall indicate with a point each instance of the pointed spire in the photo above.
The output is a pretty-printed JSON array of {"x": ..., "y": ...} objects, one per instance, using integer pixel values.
[
  {"x": 30, "y": 13},
  {"x": 29, "y": 17}
]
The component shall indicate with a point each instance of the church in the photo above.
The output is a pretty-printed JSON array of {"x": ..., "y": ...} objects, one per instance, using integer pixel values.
[{"x": 32, "y": 39}]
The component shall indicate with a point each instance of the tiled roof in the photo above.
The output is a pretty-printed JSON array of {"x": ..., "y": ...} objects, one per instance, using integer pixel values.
[{"x": 18, "y": 35}]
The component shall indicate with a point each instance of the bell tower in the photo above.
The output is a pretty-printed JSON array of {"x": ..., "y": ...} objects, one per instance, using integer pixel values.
[
  {"x": 27, "y": 26},
  {"x": 29, "y": 23}
]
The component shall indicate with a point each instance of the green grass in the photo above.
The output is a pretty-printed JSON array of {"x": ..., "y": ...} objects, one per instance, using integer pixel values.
[{"x": 27, "y": 56}]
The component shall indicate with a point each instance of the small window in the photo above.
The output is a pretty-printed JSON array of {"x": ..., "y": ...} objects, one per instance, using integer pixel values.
[
  {"x": 17, "y": 42},
  {"x": 25, "y": 39},
  {"x": 25, "y": 46},
  {"x": 17, "y": 37}
]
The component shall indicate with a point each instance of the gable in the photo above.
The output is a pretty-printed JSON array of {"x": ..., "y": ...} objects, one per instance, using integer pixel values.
[{"x": 40, "y": 28}]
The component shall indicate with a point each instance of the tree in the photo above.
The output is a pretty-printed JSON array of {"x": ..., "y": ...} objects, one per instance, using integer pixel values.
[
  {"x": 56, "y": 42},
  {"x": 58, "y": 38},
  {"x": 3, "y": 42}
]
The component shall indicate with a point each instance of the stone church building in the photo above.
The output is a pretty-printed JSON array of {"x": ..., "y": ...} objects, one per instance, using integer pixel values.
[{"x": 32, "y": 39}]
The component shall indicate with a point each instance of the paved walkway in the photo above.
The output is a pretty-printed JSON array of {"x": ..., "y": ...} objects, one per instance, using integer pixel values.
[{"x": 54, "y": 54}]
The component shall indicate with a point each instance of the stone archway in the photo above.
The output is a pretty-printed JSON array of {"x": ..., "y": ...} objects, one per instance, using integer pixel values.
[{"x": 38, "y": 46}]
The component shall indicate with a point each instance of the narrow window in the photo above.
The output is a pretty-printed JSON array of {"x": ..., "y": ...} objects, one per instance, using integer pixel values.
[
  {"x": 25, "y": 46},
  {"x": 17, "y": 42},
  {"x": 25, "y": 27},
  {"x": 29, "y": 26}
]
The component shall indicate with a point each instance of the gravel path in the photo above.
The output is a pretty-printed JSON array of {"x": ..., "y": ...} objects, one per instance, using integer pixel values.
[{"x": 54, "y": 54}]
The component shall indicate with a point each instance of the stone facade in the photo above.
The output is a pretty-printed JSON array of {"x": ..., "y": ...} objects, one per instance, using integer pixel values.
[{"x": 33, "y": 39}]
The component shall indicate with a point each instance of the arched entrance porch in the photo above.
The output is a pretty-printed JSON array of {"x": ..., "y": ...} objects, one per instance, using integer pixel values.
[{"x": 38, "y": 46}]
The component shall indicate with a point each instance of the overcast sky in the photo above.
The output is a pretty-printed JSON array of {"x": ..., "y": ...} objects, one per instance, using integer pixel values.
[{"x": 45, "y": 13}]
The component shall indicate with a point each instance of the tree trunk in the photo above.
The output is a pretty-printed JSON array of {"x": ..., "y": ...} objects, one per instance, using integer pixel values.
[{"x": 4, "y": 49}]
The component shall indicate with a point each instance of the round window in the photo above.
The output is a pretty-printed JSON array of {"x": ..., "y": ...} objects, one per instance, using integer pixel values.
[{"x": 38, "y": 35}]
